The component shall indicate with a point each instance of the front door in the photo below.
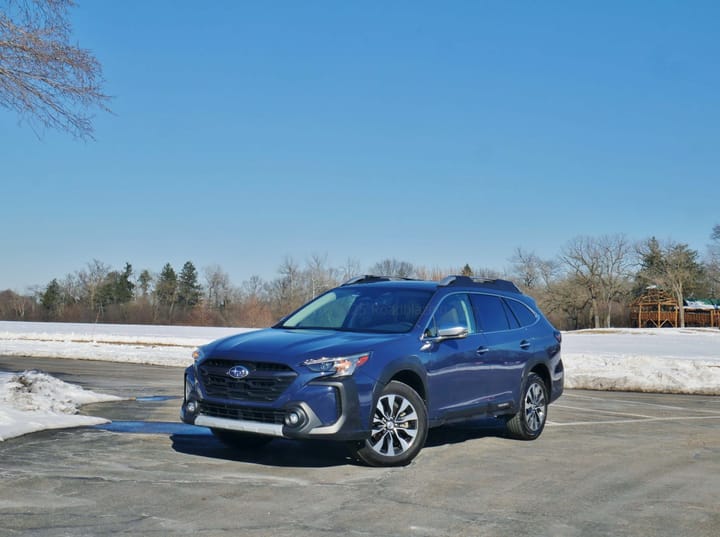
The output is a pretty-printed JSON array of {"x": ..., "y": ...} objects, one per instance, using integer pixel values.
[{"x": 457, "y": 379}]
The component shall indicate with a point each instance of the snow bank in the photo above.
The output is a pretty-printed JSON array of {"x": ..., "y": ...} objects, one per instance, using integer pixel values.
[
  {"x": 667, "y": 360},
  {"x": 141, "y": 344},
  {"x": 655, "y": 360},
  {"x": 652, "y": 360},
  {"x": 33, "y": 401}
]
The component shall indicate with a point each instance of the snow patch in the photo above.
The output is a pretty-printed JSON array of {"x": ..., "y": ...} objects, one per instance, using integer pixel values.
[{"x": 33, "y": 401}]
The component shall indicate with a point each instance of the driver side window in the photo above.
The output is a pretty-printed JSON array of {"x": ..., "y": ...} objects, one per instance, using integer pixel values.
[{"x": 453, "y": 311}]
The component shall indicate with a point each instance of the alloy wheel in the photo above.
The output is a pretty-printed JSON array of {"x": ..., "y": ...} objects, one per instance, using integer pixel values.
[
  {"x": 395, "y": 425},
  {"x": 535, "y": 407}
]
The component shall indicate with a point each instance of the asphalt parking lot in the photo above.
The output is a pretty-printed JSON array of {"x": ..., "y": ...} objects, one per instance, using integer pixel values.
[{"x": 621, "y": 464}]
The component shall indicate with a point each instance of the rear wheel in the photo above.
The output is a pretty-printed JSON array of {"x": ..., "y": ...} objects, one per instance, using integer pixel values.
[
  {"x": 239, "y": 440},
  {"x": 399, "y": 428},
  {"x": 529, "y": 422}
]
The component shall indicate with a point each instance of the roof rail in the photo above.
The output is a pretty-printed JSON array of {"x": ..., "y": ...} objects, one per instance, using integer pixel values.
[
  {"x": 488, "y": 283},
  {"x": 370, "y": 278}
]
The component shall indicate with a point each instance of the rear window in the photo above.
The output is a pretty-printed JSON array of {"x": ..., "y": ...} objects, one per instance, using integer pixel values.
[
  {"x": 490, "y": 312},
  {"x": 524, "y": 315}
]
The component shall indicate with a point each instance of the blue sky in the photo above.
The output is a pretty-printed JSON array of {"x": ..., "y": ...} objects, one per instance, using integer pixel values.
[{"x": 440, "y": 133}]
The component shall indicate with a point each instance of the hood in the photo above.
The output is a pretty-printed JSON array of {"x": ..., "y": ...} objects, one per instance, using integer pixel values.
[{"x": 294, "y": 346}]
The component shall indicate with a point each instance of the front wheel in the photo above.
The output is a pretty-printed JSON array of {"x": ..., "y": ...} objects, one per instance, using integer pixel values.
[
  {"x": 399, "y": 428},
  {"x": 529, "y": 422}
]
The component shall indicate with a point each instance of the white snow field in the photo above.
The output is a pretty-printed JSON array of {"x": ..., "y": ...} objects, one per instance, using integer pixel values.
[{"x": 667, "y": 360}]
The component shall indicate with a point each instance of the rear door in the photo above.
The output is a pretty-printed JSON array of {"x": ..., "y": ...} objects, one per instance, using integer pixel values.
[{"x": 507, "y": 347}]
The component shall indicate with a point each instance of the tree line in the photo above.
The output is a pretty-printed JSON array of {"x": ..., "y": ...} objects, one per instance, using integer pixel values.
[{"x": 589, "y": 284}]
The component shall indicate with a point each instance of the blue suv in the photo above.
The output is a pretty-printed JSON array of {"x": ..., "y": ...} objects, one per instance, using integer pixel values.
[{"x": 378, "y": 361}]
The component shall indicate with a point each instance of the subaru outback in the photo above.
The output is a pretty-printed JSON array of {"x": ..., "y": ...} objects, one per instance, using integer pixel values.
[{"x": 378, "y": 361}]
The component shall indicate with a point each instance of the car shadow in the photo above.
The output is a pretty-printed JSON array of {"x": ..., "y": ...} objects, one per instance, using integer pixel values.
[
  {"x": 316, "y": 453},
  {"x": 200, "y": 442},
  {"x": 467, "y": 430},
  {"x": 278, "y": 453}
]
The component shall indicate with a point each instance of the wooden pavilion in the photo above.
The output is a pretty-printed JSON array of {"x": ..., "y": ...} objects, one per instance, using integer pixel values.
[{"x": 659, "y": 309}]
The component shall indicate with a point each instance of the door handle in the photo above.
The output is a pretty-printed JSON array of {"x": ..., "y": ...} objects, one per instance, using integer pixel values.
[
  {"x": 481, "y": 350},
  {"x": 524, "y": 344}
]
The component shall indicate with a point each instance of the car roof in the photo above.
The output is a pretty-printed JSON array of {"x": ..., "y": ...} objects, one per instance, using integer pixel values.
[
  {"x": 454, "y": 282},
  {"x": 395, "y": 284}
]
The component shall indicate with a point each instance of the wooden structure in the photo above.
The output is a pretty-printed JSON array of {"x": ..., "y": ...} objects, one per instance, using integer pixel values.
[
  {"x": 655, "y": 308},
  {"x": 658, "y": 309},
  {"x": 702, "y": 313}
]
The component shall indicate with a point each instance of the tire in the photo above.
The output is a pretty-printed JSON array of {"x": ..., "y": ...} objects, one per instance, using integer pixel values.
[
  {"x": 239, "y": 440},
  {"x": 399, "y": 428},
  {"x": 529, "y": 422}
]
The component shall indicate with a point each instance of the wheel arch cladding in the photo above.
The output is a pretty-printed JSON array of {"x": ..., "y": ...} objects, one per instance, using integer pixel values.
[
  {"x": 542, "y": 371},
  {"x": 413, "y": 380}
]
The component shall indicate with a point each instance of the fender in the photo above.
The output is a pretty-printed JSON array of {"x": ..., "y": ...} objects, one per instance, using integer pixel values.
[
  {"x": 547, "y": 370},
  {"x": 407, "y": 364}
]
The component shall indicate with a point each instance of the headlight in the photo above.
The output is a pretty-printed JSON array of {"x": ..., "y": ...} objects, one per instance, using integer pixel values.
[
  {"x": 342, "y": 366},
  {"x": 197, "y": 354}
]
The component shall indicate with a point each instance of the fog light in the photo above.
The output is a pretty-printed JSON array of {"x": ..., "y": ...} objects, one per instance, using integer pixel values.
[
  {"x": 294, "y": 418},
  {"x": 192, "y": 407}
]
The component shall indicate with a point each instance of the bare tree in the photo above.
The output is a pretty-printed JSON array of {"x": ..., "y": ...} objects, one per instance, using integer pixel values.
[
  {"x": 285, "y": 291},
  {"x": 256, "y": 308},
  {"x": 393, "y": 267},
  {"x": 582, "y": 257},
  {"x": 144, "y": 283},
  {"x": 90, "y": 281},
  {"x": 567, "y": 301},
  {"x": 217, "y": 285},
  {"x": 713, "y": 262},
  {"x": 615, "y": 271},
  {"x": 321, "y": 277},
  {"x": 532, "y": 272},
  {"x": 352, "y": 268},
  {"x": 526, "y": 268},
  {"x": 43, "y": 77},
  {"x": 601, "y": 265}
]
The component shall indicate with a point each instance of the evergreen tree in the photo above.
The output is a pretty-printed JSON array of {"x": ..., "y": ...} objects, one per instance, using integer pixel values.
[
  {"x": 674, "y": 267},
  {"x": 167, "y": 286},
  {"x": 51, "y": 299},
  {"x": 117, "y": 288},
  {"x": 467, "y": 271},
  {"x": 651, "y": 265},
  {"x": 124, "y": 288},
  {"x": 189, "y": 290}
]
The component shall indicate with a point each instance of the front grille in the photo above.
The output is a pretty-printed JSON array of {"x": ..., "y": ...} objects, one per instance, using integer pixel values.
[
  {"x": 252, "y": 366},
  {"x": 250, "y": 414},
  {"x": 266, "y": 381}
]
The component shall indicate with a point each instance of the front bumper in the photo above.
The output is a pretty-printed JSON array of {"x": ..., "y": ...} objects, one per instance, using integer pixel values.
[
  {"x": 244, "y": 426},
  {"x": 329, "y": 409}
]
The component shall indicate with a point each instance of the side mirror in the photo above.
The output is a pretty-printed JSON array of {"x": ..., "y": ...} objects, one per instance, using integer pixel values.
[{"x": 454, "y": 332}]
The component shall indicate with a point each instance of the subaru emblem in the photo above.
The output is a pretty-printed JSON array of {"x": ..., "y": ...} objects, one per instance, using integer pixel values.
[{"x": 238, "y": 372}]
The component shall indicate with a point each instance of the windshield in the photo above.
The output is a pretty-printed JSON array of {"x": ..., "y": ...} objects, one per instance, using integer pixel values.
[{"x": 362, "y": 309}]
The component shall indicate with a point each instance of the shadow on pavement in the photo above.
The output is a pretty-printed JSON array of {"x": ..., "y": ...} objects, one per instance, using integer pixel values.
[
  {"x": 319, "y": 454},
  {"x": 279, "y": 452},
  {"x": 200, "y": 442},
  {"x": 462, "y": 432}
]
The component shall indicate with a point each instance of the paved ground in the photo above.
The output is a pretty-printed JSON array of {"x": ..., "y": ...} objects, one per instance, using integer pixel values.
[{"x": 615, "y": 464}]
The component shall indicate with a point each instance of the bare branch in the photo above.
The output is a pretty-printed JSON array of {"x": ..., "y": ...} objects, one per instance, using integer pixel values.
[{"x": 43, "y": 77}]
